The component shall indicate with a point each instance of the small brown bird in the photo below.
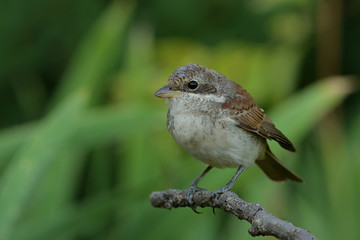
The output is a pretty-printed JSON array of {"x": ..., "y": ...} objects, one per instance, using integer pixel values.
[{"x": 219, "y": 123}]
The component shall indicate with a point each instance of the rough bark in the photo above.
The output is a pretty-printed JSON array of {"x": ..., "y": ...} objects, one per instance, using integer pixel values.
[{"x": 262, "y": 222}]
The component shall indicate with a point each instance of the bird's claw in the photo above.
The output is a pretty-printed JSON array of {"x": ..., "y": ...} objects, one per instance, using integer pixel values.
[
  {"x": 189, "y": 197},
  {"x": 194, "y": 209},
  {"x": 190, "y": 194},
  {"x": 216, "y": 194}
]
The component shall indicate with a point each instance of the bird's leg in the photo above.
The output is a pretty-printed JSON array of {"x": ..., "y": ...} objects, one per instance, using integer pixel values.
[
  {"x": 229, "y": 185},
  {"x": 193, "y": 187}
]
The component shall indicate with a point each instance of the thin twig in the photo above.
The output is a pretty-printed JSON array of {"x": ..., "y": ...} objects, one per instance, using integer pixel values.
[{"x": 262, "y": 222}]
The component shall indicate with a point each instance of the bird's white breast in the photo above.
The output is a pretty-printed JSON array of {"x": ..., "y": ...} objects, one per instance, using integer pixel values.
[{"x": 214, "y": 140}]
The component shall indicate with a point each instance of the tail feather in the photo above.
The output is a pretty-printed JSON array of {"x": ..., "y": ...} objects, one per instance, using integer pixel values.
[{"x": 274, "y": 169}]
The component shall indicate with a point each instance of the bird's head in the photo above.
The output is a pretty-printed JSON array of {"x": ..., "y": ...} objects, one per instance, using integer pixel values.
[{"x": 196, "y": 82}]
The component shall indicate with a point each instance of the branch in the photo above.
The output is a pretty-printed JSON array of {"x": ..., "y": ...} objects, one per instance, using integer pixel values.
[{"x": 262, "y": 222}]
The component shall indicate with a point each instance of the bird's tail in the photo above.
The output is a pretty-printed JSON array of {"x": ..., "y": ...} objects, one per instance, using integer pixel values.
[{"x": 274, "y": 169}]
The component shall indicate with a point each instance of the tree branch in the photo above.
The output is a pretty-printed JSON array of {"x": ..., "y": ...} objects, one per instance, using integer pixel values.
[{"x": 262, "y": 222}]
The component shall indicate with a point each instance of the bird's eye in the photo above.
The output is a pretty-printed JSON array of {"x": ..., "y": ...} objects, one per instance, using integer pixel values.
[{"x": 193, "y": 85}]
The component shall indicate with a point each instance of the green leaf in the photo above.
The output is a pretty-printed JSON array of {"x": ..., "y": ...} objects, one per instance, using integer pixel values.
[
  {"x": 54, "y": 133},
  {"x": 29, "y": 165},
  {"x": 299, "y": 114},
  {"x": 98, "y": 52}
]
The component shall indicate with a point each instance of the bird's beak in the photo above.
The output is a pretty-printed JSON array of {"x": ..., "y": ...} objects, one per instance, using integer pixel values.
[{"x": 166, "y": 92}]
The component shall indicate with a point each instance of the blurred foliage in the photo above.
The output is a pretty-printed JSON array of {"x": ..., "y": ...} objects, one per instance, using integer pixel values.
[{"x": 83, "y": 142}]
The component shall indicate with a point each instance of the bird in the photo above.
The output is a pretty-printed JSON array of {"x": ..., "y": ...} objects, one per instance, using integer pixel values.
[{"x": 218, "y": 122}]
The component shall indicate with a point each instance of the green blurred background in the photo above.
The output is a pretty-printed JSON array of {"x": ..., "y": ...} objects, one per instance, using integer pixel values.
[{"x": 83, "y": 141}]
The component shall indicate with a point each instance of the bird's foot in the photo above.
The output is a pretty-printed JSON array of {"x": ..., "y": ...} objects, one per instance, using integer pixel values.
[
  {"x": 216, "y": 194},
  {"x": 189, "y": 196},
  {"x": 228, "y": 186}
]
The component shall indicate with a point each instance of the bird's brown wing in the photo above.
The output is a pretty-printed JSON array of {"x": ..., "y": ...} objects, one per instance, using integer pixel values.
[{"x": 243, "y": 109}]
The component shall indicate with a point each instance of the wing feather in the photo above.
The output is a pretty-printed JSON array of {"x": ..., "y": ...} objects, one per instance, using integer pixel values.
[{"x": 243, "y": 109}]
